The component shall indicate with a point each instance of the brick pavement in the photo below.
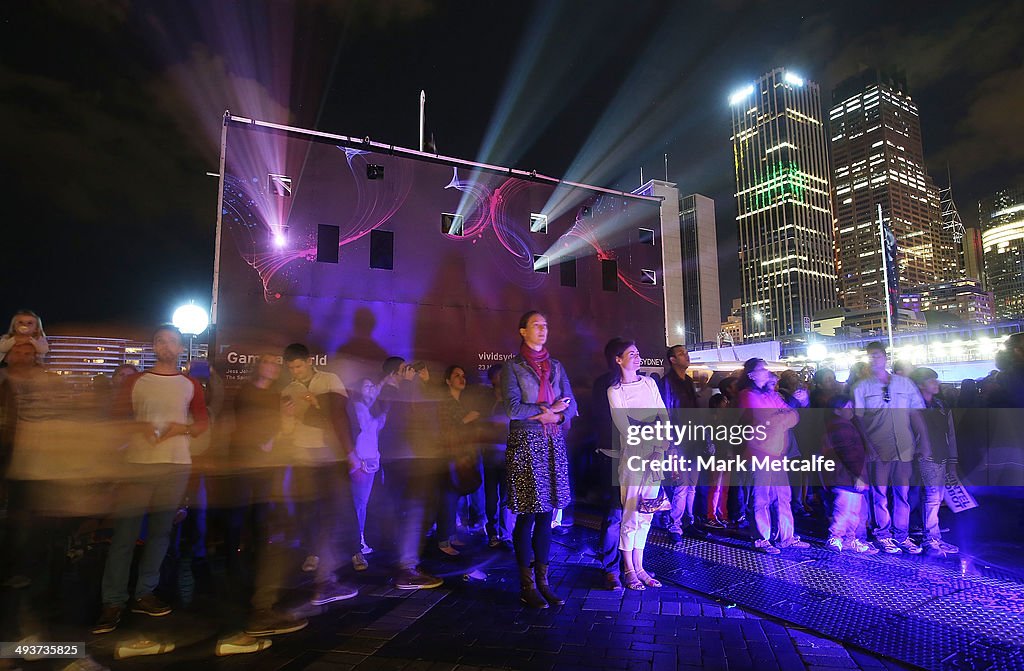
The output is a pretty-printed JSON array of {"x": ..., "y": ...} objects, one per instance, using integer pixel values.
[{"x": 468, "y": 625}]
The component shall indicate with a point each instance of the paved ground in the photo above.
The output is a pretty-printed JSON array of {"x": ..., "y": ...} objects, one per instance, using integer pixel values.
[{"x": 480, "y": 624}]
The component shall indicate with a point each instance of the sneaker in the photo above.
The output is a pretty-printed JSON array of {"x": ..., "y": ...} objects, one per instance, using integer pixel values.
[
  {"x": 311, "y": 564},
  {"x": 714, "y": 523},
  {"x": 359, "y": 562},
  {"x": 612, "y": 582},
  {"x": 862, "y": 548},
  {"x": 794, "y": 543},
  {"x": 147, "y": 604},
  {"x": 272, "y": 623},
  {"x": 889, "y": 546},
  {"x": 416, "y": 579},
  {"x": 241, "y": 644},
  {"x": 110, "y": 617},
  {"x": 834, "y": 543},
  {"x": 446, "y": 547},
  {"x": 934, "y": 545},
  {"x": 142, "y": 648},
  {"x": 766, "y": 547},
  {"x": 331, "y": 592},
  {"x": 493, "y": 542},
  {"x": 740, "y": 522},
  {"x": 675, "y": 537},
  {"x": 909, "y": 546}
]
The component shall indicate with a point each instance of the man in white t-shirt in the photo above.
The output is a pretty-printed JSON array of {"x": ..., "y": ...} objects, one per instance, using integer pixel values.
[
  {"x": 163, "y": 409},
  {"x": 316, "y": 423}
]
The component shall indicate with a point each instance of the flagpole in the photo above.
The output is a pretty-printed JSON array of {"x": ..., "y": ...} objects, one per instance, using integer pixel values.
[
  {"x": 885, "y": 276},
  {"x": 423, "y": 104}
]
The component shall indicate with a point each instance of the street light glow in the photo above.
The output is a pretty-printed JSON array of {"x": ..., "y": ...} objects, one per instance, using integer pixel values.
[
  {"x": 816, "y": 351},
  {"x": 190, "y": 319}
]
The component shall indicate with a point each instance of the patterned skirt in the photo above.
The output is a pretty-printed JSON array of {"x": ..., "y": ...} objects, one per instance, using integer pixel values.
[{"x": 538, "y": 471}]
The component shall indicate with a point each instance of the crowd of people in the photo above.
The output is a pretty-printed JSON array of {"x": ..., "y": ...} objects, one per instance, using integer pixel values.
[{"x": 306, "y": 462}]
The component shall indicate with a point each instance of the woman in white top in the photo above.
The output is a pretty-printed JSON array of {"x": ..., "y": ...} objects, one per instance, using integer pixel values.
[{"x": 634, "y": 400}]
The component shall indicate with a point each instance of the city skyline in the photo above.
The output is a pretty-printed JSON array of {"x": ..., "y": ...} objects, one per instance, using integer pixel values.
[{"x": 115, "y": 103}]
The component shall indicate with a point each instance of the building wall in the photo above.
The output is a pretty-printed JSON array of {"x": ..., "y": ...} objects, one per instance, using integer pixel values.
[
  {"x": 878, "y": 159},
  {"x": 701, "y": 294},
  {"x": 1002, "y": 236},
  {"x": 306, "y": 263},
  {"x": 784, "y": 209}
]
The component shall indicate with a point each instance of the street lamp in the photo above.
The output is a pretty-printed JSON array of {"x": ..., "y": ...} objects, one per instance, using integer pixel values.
[
  {"x": 817, "y": 352},
  {"x": 191, "y": 320}
]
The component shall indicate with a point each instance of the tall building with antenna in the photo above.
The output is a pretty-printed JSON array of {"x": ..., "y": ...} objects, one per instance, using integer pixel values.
[
  {"x": 878, "y": 159},
  {"x": 784, "y": 209}
]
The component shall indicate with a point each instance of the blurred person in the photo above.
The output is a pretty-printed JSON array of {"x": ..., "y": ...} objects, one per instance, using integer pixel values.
[
  {"x": 739, "y": 497},
  {"x": 765, "y": 408},
  {"x": 970, "y": 394},
  {"x": 793, "y": 389},
  {"x": 608, "y": 454},
  {"x": 729, "y": 387},
  {"x": 901, "y": 367},
  {"x": 539, "y": 402},
  {"x": 458, "y": 423},
  {"x": 858, "y": 371},
  {"x": 163, "y": 409},
  {"x": 316, "y": 422},
  {"x": 940, "y": 459},
  {"x": 367, "y": 418},
  {"x": 825, "y": 387},
  {"x": 845, "y": 444},
  {"x": 889, "y": 406},
  {"x": 259, "y": 459},
  {"x": 52, "y": 474},
  {"x": 409, "y": 469},
  {"x": 26, "y": 327},
  {"x": 639, "y": 395},
  {"x": 494, "y": 431},
  {"x": 679, "y": 392},
  {"x": 718, "y": 486}
]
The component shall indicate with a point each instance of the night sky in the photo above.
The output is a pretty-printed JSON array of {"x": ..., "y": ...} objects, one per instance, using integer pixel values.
[{"x": 111, "y": 110}]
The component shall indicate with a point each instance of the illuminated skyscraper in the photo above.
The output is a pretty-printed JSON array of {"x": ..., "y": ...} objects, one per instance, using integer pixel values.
[
  {"x": 1002, "y": 238},
  {"x": 878, "y": 159},
  {"x": 784, "y": 211}
]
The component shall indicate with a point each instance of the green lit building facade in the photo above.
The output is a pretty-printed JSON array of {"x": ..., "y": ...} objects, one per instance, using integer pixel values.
[{"x": 784, "y": 209}]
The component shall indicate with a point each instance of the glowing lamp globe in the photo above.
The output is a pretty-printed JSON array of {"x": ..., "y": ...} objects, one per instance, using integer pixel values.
[{"x": 190, "y": 319}]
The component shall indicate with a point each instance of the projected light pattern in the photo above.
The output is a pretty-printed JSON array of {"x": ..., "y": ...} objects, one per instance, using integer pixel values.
[
  {"x": 242, "y": 214},
  {"x": 585, "y": 233},
  {"x": 489, "y": 208}
]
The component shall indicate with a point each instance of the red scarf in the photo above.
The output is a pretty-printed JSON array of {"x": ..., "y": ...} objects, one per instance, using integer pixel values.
[{"x": 540, "y": 362}]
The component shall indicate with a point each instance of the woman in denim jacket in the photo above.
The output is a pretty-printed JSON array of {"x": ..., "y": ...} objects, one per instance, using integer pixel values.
[{"x": 539, "y": 403}]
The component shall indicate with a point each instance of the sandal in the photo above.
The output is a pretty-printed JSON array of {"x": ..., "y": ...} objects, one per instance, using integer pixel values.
[
  {"x": 647, "y": 579},
  {"x": 633, "y": 582}
]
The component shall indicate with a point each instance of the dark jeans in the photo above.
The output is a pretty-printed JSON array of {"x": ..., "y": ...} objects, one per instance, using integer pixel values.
[{"x": 496, "y": 494}]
